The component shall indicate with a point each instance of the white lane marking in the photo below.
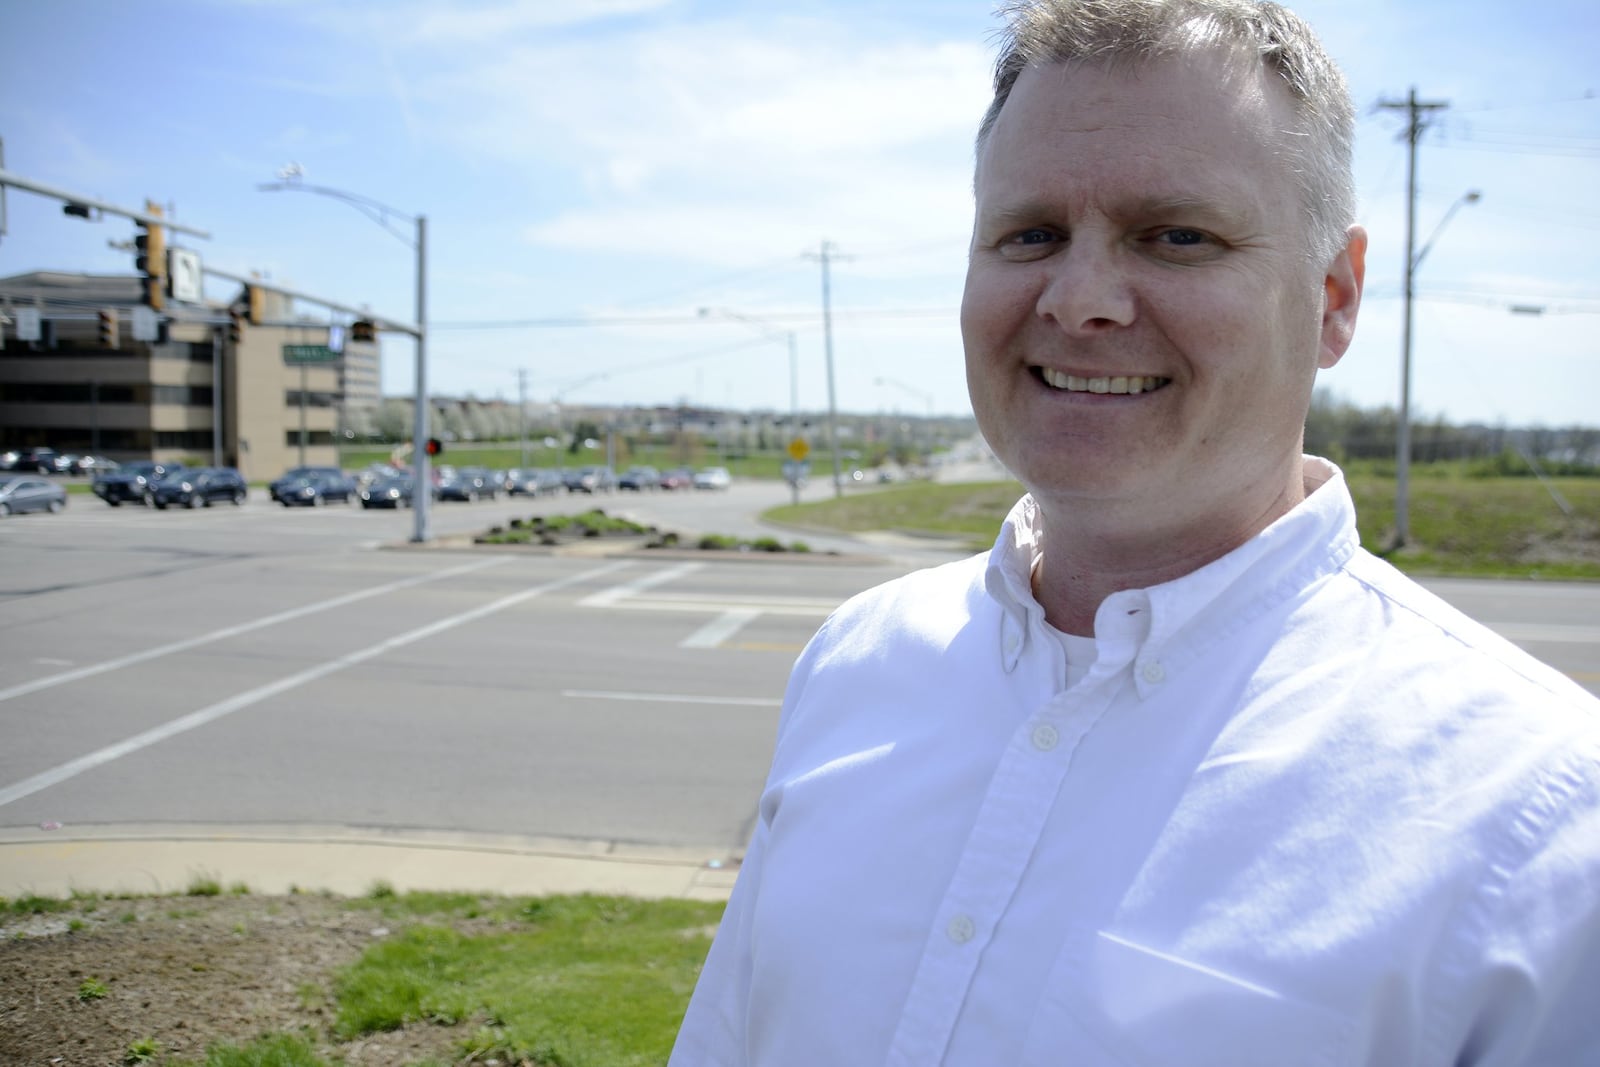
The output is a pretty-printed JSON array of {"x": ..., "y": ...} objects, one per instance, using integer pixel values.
[
  {"x": 608, "y": 597},
  {"x": 243, "y": 628},
  {"x": 719, "y": 629},
  {"x": 1546, "y": 632},
  {"x": 73, "y": 768},
  {"x": 671, "y": 698}
]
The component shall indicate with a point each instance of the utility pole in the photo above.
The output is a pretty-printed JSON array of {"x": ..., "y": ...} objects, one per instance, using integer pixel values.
[
  {"x": 522, "y": 413},
  {"x": 825, "y": 257},
  {"x": 1417, "y": 114}
]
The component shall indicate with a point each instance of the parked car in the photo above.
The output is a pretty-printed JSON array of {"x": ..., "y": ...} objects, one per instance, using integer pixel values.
[
  {"x": 713, "y": 478},
  {"x": 640, "y": 479},
  {"x": 198, "y": 487},
  {"x": 392, "y": 492},
  {"x": 29, "y": 492},
  {"x": 38, "y": 461},
  {"x": 92, "y": 465},
  {"x": 315, "y": 490},
  {"x": 468, "y": 483},
  {"x": 294, "y": 474},
  {"x": 133, "y": 481},
  {"x": 591, "y": 480},
  {"x": 678, "y": 478},
  {"x": 535, "y": 481}
]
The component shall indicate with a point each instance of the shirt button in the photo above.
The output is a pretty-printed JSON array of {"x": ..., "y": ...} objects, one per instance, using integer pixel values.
[
  {"x": 1045, "y": 737},
  {"x": 960, "y": 930},
  {"x": 1153, "y": 672}
]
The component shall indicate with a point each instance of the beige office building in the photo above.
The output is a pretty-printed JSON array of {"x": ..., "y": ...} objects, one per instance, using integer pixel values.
[{"x": 208, "y": 389}]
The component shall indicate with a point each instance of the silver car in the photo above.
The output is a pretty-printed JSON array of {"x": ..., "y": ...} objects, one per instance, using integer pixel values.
[{"x": 27, "y": 493}]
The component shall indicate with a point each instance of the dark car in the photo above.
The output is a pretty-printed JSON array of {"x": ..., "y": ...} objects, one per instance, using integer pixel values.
[
  {"x": 591, "y": 480},
  {"x": 200, "y": 487},
  {"x": 315, "y": 490},
  {"x": 27, "y": 492},
  {"x": 391, "y": 492},
  {"x": 132, "y": 481},
  {"x": 294, "y": 474},
  {"x": 39, "y": 461},
  {"x": 468, "y": 483},
  {"x": 640, "y": 479}
]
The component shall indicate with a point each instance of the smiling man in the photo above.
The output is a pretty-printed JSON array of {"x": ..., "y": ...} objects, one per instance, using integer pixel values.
[{"x": 1176, "y": 773}]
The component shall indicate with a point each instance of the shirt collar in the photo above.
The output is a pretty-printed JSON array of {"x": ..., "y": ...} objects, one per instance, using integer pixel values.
[{"x": 1314, "y": 538}]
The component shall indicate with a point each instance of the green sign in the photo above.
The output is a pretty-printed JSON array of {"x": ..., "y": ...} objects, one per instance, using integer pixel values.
[{"x": 309, "y": 354}]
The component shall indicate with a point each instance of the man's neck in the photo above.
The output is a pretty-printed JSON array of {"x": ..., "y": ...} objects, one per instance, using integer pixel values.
[{"x": 1092, "y": 552}]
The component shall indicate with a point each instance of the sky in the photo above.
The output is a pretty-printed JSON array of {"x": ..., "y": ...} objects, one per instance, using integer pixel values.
[{"x": 627, "y": 200}]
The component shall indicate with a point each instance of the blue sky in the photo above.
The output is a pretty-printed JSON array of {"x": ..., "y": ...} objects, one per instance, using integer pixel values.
[{"x": 631, "y": 161}]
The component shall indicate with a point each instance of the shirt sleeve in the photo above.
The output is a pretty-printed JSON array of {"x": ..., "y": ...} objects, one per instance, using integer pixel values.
[
  {"x": 715, "y": 1028},
  {"x": 1533, "y": 995}
]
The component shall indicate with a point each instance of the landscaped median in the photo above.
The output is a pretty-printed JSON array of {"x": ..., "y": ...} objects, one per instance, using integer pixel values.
[
  {"x": 218, "y": 977},
  {"x": 594, "y": 525}
]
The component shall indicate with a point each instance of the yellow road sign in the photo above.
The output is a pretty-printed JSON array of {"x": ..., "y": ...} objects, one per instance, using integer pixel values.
[{"x": 798, "y": 449}]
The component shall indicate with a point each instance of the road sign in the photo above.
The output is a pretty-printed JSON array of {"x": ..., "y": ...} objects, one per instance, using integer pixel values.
[
  {"x": 795, "y": 471},
  {"x": 798, "y": 449},
  {"x": 146, "y": 324},
  {"x": 29, "y": 327},
  {"x": 183, "y": 274},
  {"x": 309, "y": 354}
]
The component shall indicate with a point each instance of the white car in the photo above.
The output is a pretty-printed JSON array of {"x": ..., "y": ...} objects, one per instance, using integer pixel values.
[{"x": 713, "y": 478}]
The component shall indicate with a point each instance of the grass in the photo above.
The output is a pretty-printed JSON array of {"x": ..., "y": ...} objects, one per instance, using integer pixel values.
[
  {"x": 1462, "y": 522},
  {"x": 577, "y": 981},
  {"x": 574, "y": 981}
]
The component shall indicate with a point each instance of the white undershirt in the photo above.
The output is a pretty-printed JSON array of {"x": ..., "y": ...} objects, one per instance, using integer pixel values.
[{"x": 1081, "y": 654}]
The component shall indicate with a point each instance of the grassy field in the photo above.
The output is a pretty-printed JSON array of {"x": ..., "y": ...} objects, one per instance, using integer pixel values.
[
  {"x": 218, "y": 978},
  {"x": 501, "y": 456},
  {"x": 1460, "y": 523}
]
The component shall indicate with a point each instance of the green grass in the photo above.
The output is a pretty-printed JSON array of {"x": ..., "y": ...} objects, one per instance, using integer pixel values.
[
  {"x": 1463, "y": 522},
  {"x": 580, "y": 981},
  {"x": 272, "y": 1050}
]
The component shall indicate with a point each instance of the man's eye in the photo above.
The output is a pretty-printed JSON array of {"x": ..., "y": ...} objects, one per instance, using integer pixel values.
[
  {"x": 1033, "y": 237},
  {"x": 1183, "y": 237}
]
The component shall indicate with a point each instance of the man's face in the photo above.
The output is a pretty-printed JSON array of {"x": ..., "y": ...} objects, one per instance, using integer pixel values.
[{"x": 1141, "y": 319}]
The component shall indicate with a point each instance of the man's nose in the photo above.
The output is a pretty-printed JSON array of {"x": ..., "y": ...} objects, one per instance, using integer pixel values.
[{"x": 1087, "y": 290}]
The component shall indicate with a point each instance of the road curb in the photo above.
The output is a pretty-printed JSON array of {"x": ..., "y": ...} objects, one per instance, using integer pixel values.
[{"x": 348, "y": 861}]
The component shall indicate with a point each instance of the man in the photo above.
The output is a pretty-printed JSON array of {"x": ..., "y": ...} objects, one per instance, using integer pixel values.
[{"x": 1176, "y": 774}]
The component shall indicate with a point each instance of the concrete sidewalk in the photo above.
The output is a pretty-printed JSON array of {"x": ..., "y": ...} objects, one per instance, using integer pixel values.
[{"x": 273, "y": 860}]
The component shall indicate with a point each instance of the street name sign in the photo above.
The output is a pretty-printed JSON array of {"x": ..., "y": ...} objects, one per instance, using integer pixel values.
[{"x": 309, "y": 354}]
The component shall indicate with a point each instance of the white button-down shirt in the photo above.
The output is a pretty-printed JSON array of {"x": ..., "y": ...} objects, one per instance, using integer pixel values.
[{"x": 1299, "y": 811}]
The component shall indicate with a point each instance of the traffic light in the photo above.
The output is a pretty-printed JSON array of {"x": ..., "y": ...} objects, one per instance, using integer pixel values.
[
  {"x": 152, "y": 260},
  {"x": 363, "y": 330},
  {"x": 108, "y": 328},
  {"x": 256, "y": 300},
  {"x": 235, "y": 325},
  {"x": 433, "y": 447}
]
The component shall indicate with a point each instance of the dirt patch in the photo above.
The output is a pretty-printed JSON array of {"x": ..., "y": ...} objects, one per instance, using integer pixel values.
[{"x": 188, "y": 973}]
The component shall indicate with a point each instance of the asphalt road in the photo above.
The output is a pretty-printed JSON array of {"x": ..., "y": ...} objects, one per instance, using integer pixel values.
[{"x": 263, "y": 666}]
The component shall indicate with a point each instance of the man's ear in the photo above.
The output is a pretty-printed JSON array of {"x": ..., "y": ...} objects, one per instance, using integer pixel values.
[{"x": 1342, "y": 297}]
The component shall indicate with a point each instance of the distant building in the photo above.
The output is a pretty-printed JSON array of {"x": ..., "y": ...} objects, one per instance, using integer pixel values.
[{"x": 209, "y": 388}]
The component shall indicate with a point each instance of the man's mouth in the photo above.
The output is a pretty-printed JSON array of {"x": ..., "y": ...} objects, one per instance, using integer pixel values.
[{"x": 1121, "y": 384}]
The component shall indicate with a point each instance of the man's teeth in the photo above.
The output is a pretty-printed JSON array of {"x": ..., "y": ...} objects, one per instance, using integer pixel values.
[{"x": 1120, "y": 384}]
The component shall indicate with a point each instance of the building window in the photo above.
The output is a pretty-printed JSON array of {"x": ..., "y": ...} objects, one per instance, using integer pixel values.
[
  {"x": 291, "y": 438},
  {"x": 191, "y": 396},
  {"x": 196, "y": 440}
]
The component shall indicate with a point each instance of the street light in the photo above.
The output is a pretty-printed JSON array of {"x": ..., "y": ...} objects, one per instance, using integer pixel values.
[
  {"x": 1402, "y": 487},
  {"x": 381, "y": 213},
  {"x": 794, "y": 372}
]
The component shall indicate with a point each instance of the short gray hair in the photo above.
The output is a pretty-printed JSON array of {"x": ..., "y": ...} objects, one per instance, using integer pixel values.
[{"x": 1041, "y": 32}]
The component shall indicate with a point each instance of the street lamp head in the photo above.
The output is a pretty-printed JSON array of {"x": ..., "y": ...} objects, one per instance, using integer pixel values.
[{"x": 1472, "y": 196}]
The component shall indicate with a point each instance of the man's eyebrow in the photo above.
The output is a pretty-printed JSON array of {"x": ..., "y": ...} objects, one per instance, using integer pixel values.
[{"x": 1201, "y": 208}]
